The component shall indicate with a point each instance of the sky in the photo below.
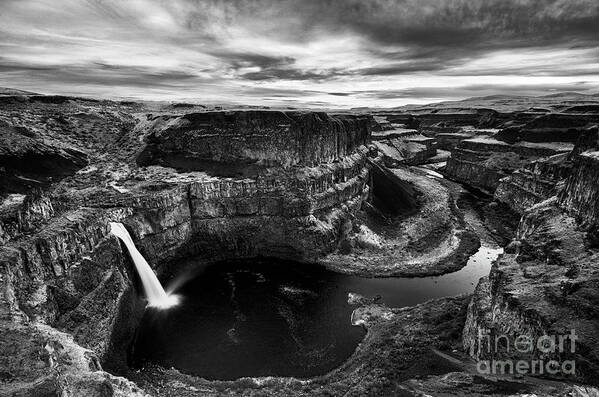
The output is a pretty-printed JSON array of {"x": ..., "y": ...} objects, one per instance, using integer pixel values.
[{"x": 339, "y": 53}]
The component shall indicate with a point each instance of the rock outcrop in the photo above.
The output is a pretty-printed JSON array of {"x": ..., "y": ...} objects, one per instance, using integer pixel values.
[
  {"x": 546, "y": 283},
  {"x": 267, "y": 137},
  {"x": 540, "y": 162},
  {"x": 189, "y": 180},
  {"x": 580, "y": 196},
  {"x": 404, "y": 147},
  {"x": 533, "y": 183},
  {"x": 67, "y": 280},
  {"x": 483, "y": 162},
  {"x": 28, "y": 161},
  {"x": 38, "y": 360},
  {"x": 547, "y": 177},
  {"x": 551, "y": 127},
  {"x": 215, "y": 185},
  {"x": 431, "y": 237}
]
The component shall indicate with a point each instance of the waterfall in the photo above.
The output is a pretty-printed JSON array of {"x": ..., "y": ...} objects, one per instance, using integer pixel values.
[{"x": 155, "y": 294}]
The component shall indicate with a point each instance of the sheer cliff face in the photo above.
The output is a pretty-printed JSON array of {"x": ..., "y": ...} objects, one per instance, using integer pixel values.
[
  {"x": 283, "y": 179},
  {"x": 534, "y": 183},
  {"x": 483, "y": 162},
  {"x": 489, "y": 156},
  {"x": 27, "y": 160},
  {"x": 295, "y": 213},
  {"x": 569, "y": 175},
  {"x": 312, "y": 174},
  {"x": 276, "y": 183},
  {"x": 244, "y": 184},
  {"x": 547, "y": 282},
  {"x": 580, "y": 196},
  {"x": 269, "y": 137}
]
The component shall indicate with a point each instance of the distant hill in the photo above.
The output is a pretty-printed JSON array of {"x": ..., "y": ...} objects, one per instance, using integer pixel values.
[
  {"x": 556, "y": 102},
  {"x": 13, "y": 91}
]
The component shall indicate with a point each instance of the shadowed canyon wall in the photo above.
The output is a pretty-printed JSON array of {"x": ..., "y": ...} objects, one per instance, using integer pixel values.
[{"x": 61, "y": 268}]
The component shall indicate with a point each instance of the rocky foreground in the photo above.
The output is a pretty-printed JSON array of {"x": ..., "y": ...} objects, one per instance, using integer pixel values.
[{"x": 335, "y": 189}]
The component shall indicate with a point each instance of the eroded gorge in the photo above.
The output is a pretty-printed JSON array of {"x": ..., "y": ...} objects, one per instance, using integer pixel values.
[{"x": 319, "y": 252}]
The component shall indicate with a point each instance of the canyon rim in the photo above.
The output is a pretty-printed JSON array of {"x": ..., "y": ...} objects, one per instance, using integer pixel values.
[{"x": 285, "y": 198}]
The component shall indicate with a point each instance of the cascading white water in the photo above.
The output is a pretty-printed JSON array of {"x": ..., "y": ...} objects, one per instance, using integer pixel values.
[{"x": 156, "y": 295}]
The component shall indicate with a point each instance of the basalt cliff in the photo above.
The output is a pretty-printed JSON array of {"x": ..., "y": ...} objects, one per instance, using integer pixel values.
[{"x": 341, "y": 190}]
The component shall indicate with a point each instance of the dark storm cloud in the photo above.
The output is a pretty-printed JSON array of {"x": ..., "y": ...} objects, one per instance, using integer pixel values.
[
  {"x": 288, "y": 74},
  {"x": 239, "y": 60},
  {"x": 451, "y": 29},
  {"x": 494, "y": 23},
  {"x": 141, "y": 73},
  {"x": 269, "y": 67},
  {"x": 98, "y": 73},
  {"x": 278, "y": 93},
  {"x": 401, "y": 68},
  {"x": 455, "y": 23},
  {"x": 317, "y": 51}
]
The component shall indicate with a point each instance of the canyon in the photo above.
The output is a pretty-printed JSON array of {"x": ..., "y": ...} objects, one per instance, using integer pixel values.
[{"x": 407, "y": 192}]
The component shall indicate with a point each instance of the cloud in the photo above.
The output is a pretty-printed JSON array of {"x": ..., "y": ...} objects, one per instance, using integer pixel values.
[
  {"x": 425, "y": 23},
  {"x": 98, "y": 73},
  {"x": 286, "y": 74},
  {"x": 337, "y": 52},
  {"x": 240, "y": 60}
]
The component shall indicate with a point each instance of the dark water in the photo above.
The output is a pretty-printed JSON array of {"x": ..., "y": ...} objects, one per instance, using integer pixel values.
[
  {"x": 274, "y": 317},
  {"x": 253, "y": 319}
]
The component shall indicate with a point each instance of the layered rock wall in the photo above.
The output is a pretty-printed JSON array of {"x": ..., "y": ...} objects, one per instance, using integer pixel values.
[
  {"x": 270, "y": 137},
  {"x": 547, "y": 282},
  {"x": 482, "y": 162},
  {"x": 534, "y": 183},
  {"x": 296, "y": 216},
  {"x": 27, "y": 161},
  {"x": 544, "y": 285},
  {"x": 62, "y": 270},
  {"x": 552, "y": 127},
  {"x": 580, "y": 196}
]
